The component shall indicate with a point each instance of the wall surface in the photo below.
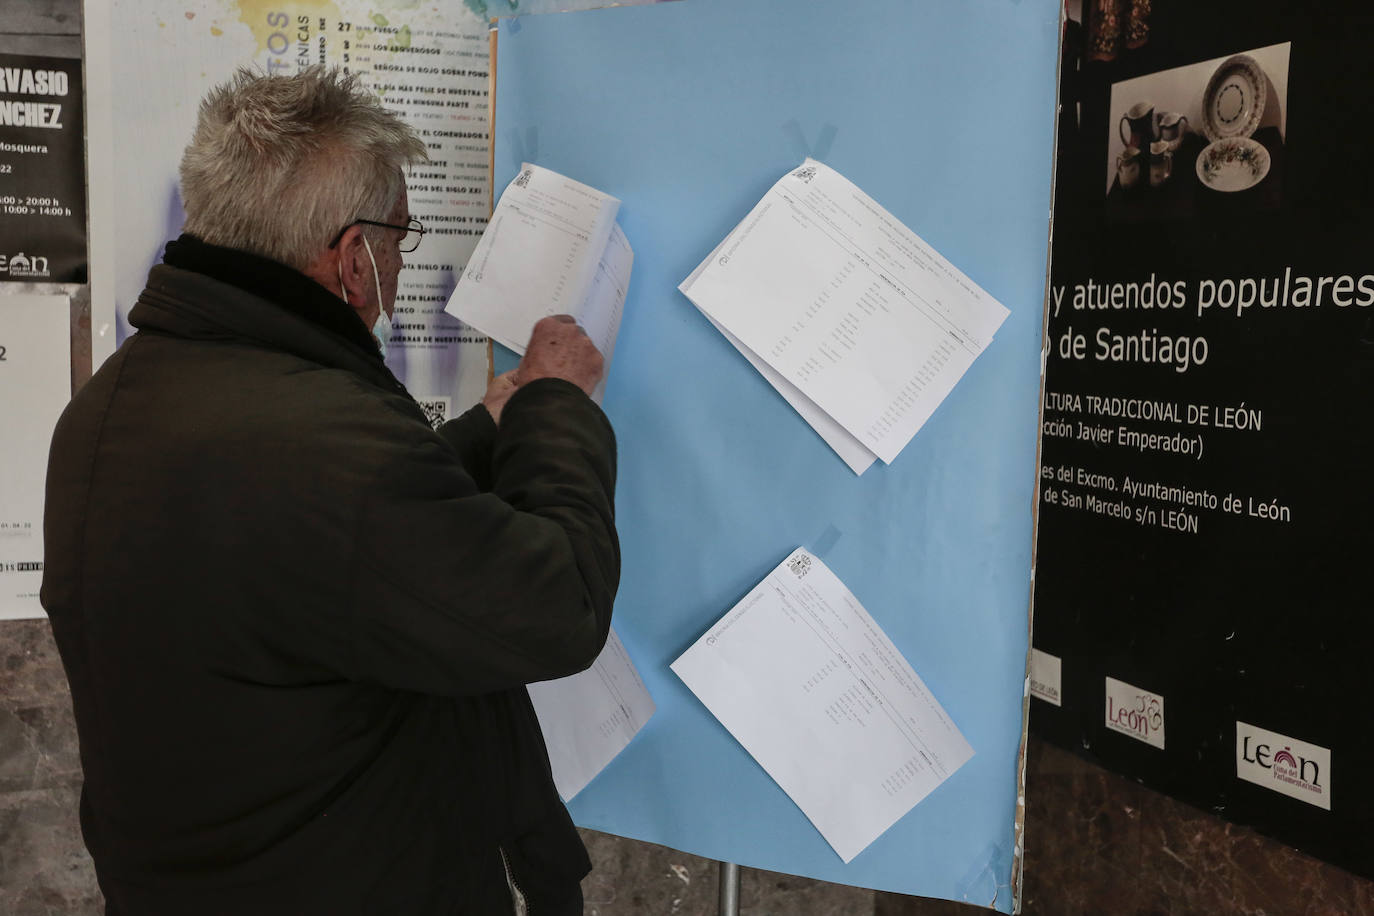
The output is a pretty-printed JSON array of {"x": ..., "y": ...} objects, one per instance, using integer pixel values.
[{"x": 1095, "y": 842}]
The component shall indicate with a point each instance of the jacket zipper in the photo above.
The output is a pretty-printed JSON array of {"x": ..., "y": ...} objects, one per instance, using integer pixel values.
[{"x": 517, "y": 896}]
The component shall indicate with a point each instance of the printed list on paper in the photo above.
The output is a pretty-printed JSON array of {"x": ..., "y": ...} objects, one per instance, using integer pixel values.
[
  {"x": 590, "y": 717},
  {"x": 848, "y": 306},
  {"x": 806, "y": 681},
  {"x": 552, "y": 247}
]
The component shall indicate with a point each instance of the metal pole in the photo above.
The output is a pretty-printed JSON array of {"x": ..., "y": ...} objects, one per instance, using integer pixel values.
[{"x": 729, "y": 889}]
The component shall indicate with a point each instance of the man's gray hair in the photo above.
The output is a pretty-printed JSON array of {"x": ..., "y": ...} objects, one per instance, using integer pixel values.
[{"x": 278, "y": 165}]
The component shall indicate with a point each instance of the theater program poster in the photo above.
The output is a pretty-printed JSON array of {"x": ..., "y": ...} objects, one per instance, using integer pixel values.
[
  {"x": 427, "y": 63},
  {"x": 1203, "y": 587},
  {"x": 42, "y": 171}
]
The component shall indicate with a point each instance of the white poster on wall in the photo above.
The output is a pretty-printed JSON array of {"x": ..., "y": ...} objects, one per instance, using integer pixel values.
[
  {"x": 427, "y": 63},
  {"x": 35, "y": 385}
]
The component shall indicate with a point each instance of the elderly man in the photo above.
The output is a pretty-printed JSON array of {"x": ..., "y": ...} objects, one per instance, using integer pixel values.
[{"x": 297, "y": 621}]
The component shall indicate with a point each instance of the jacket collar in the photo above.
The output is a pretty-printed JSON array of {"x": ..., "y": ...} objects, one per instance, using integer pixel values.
[
  {"x": 205, "y": 292},
  {"x": 273, "y": 281}
]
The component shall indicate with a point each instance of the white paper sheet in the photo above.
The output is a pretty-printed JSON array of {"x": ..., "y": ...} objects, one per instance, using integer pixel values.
[
  {"x": 590, "y": 717},
  {"x": 869, "y": 322},
  {"x": 35, "y": 385},
  {"x": 850, "y": 450},
  {"x": 804, "y": 678},
  {"x": 605, "y": 303},
  {"x": 541, "y": 254}
]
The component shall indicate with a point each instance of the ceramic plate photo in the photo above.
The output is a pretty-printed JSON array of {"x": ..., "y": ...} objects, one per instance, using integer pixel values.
[
  {"x": 1232, "y": 164},
  {"x": 1234, "y": 99}
]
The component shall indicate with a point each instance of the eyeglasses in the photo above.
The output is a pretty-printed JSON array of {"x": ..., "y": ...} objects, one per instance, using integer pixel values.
[{"x": 414, "y": 232}]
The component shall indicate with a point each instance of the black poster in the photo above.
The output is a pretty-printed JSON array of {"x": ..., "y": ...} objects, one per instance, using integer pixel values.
[
  {"x": 42, "y": 171},
  {"x": 1203, "y": 579}
]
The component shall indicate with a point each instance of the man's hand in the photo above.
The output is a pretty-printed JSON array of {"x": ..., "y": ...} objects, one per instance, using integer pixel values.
[
  {"x": 498, "y": 393},
  {"x": 559, "y": 348}
]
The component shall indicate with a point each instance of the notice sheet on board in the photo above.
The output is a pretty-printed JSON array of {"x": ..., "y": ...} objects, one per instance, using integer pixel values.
[
  {"x": 848, "y": 306},
  {"x": 591, "y": 716},
  {"x": 804, "y": 678}
]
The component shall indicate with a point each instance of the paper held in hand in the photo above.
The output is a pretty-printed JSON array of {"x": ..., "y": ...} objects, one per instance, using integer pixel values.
[
  {"x": 590, "y": 717},
  {"x": 862, "y": 326},
  {"x": 551, "y": 247},
  {"x": 804, "y": 678}
]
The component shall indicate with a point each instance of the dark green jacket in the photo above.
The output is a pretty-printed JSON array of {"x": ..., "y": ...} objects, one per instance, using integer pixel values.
[{"x": 297, "y": 621}]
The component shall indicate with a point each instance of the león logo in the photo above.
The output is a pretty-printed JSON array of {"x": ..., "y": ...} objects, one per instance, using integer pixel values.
[
  {"x": 1296, "y": 771},
  {"x": 1136, "y": 712},
  {"x": 24, "y": 267},
  {"x": 1299, "y": 770}
]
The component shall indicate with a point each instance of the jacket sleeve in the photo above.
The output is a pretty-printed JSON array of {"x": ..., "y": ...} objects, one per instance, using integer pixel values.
[
  {"x": 472, "y": 435},
  {"x": 463, "y": 592}
]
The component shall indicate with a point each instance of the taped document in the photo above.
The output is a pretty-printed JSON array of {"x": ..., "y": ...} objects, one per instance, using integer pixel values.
[
  {"x": 804, "y": 678},
  {"x": 843, "y": 302},
  {"x": 591, "y": 717}
]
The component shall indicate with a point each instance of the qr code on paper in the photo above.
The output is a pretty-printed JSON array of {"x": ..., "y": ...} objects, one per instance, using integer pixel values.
[{"x": 436, "y": 410}]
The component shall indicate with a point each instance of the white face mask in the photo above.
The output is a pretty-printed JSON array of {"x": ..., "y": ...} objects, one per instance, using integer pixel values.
[{"x": 381, "y": 328}]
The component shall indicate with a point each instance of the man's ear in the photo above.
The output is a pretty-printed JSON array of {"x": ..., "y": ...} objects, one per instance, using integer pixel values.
[{"x": 354, "y": 268}]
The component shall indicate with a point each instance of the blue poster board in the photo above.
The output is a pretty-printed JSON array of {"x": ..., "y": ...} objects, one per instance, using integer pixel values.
[{"x": 688, "y": 112}]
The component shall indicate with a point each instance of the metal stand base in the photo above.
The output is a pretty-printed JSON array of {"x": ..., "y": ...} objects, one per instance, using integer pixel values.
[{"x": 729, "y": 889}]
